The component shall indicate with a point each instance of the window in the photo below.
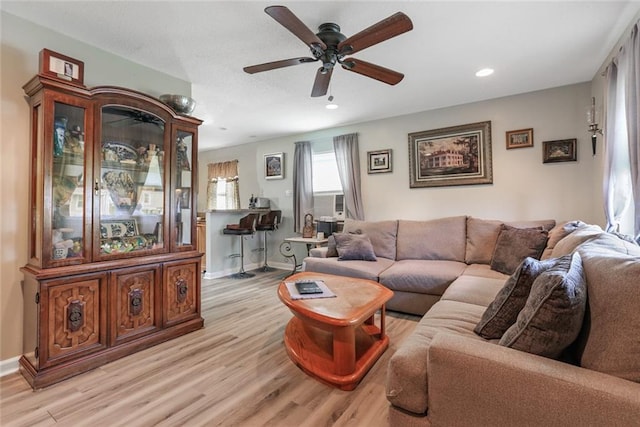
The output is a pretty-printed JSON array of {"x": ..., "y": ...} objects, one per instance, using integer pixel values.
[{"x": 325, "y": 173}]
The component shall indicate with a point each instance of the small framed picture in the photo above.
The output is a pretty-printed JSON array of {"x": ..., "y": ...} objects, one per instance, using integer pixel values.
[
  {"x": 563, "y": 150},
  {"x": 61, "y": 67},
  {"x": 379, "y": 161},
  {"x": 274, "y": 166},
  {"x": 519, "y": 138}
]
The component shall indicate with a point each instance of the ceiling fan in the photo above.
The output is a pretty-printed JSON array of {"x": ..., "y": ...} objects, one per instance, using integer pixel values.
[{"x": 330, "y": 46}]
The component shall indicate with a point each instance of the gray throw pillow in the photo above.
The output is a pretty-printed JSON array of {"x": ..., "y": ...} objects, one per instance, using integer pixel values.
[
  {"x": 552, "y": 317},
  {"x": 514, "y": 245},
  {"x": 332, "y": 251},
  {"x": 354, "y": 247},
  {"x": 503, "y": 310}
]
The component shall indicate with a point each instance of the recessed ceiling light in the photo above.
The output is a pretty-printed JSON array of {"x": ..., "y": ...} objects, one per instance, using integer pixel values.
[
  {"x": 331, "y": 106},
  {"x": 484, "y": 72}
]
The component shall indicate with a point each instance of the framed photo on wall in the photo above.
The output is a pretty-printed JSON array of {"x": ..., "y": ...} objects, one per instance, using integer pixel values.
[
  {"x": 457, "y": 155},
  {"x": 563, "y": 150},
  {"x": 62, "y": 67},
  {"x": 379, "y": 161},
  {"x": 274, "y": 166},
  {"x": 519, "y": 138}
]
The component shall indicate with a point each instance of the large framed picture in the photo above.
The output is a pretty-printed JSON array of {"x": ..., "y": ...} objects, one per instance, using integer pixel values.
[
  {"x": 274, "y": 166},
  {"x": 62, "y": 67},
  {"x": 379, "y": 161},
  {"x": 457, "y": 155},
  {"x": 519, "y": 138},
  {"x": 562, "y": 150}
]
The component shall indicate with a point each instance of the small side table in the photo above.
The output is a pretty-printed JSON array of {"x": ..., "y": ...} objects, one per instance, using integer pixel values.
[{"x": 286, "y": 248}]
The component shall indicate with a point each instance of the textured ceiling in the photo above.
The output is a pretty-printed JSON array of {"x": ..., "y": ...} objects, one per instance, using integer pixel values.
[{"x": 531, "y": 45}]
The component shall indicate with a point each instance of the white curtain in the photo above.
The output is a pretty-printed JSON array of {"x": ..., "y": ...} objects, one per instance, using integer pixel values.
[
  {"x": 622, "y": 137},
  {"x": 348, "y": 161},
  {"x": 302, "y": 184},
  {"x": 223, "y": 189}
]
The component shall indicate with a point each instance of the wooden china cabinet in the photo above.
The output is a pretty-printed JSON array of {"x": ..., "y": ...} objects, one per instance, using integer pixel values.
[{"x": 113, "y": 265}]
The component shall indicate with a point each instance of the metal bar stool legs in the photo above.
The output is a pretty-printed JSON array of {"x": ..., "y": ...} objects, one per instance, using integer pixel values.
[
  {"x": 241, "y": 274},
  {"x": 268, "y": 222},
  {"x": 246, "y": 227}
]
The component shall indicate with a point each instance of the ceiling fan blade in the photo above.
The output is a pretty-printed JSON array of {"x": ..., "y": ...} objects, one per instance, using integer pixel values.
[
  {"x": 392, "y": 26},
  {"x": 276, "y": 64},
  {"x": 321, "y": 84},
  {"x": 373, "y": 71},
  {"x": 287, "y": 19}
]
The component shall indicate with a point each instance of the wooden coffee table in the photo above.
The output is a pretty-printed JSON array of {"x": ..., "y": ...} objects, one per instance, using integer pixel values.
[{"x": 336, "y": 339}]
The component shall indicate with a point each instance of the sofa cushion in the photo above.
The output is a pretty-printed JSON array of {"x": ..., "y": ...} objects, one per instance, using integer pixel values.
[
  {"x": 382, "y": 234},
  {"x": 482, "y": 235},
  {"x": 361, "y": 269},
  {"x": 609, "y": 341},
  {"x": 580, "y": 235},
  {"x": 503, "y": 311},
  {"x": 354, "y": 247},
  {"x": 473, "y": 290},
  {"x": 421, "y": 276},
  {"x": 406, "y": 384},
  {"x": 514, "y": 245},
  {"x": 552, "y": 316},
  {"x": 484, "y": 270},
  {"x": 438, "y": 239}
]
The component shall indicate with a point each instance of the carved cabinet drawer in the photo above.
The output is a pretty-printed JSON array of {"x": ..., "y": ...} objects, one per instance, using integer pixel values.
[
  {"x": 181, "y": 292},
  {"x": 74, "y": 315},
  {"x": 135, "y": 306}
]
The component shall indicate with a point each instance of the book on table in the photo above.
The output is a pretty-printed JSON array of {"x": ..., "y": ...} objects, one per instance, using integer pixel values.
[{"x": 306, "y": 287}]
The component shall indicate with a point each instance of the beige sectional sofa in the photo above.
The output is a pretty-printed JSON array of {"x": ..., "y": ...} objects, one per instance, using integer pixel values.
[{"x": 447, "y": 375}]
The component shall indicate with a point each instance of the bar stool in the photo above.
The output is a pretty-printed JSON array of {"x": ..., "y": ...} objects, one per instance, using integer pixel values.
[
  {"x": 246, "y": 227},
  {"x": 268, "y": 222}
]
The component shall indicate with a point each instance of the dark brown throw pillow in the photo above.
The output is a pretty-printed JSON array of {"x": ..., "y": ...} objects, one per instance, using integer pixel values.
[
  {"x": 552, "y": 317},
  {"x": 331, "y": 247},
  {"x": 503, "y": 310},
  {"x": 514, "y": 245},
  {"x": 354, "y": 247}
]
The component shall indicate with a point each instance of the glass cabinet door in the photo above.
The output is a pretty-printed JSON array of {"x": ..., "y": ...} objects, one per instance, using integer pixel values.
[
  {"x": 184, "y": 189},
  {"x": 68, "y": 185},
  {"x": 130, "y": 184}
]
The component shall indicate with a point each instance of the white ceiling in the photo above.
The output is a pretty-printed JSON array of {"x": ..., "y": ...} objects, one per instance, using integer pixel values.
[{"x": 531, "y": 45}]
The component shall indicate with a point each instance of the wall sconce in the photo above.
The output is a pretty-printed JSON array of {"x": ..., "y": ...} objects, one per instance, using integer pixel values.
[{"x": 592, "y": 120}]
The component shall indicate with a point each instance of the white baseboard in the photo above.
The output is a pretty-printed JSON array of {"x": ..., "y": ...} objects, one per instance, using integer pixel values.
[{"x": 9, "y": 366}]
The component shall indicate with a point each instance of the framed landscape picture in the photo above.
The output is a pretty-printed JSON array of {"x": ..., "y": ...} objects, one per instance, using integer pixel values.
[
  {"x": 519, "y": 138},
  {"x": 274, "y": 166},
  {"x": 379, "y": 161},
  {"x": 457, "y": 155},
  {"x": 563, "y": 150}
]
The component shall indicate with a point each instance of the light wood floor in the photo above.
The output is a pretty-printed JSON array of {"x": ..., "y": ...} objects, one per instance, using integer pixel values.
[{"x": 234, "y": 372}]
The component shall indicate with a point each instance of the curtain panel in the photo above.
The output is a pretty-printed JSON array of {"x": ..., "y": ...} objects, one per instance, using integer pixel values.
[
  {"x": 223, "y": 176},
  {"x": 302, "y": 184},
  {"x": 348, "y": 161},
  {"x": 622, "y": 136}
]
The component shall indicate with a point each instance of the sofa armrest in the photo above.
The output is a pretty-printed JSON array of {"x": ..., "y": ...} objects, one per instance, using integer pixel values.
[
  {"x": 477, "y": 383},
  {"x": 318, "y": 252}
]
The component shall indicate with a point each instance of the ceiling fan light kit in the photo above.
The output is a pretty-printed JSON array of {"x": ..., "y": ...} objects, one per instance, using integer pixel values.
[{"x": 330, "y": 46}]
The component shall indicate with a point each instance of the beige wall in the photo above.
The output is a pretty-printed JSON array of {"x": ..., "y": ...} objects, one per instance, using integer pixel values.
[
  {"x": 523, "y": 187},
  {"x": 21, "y": 42}
]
